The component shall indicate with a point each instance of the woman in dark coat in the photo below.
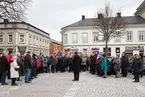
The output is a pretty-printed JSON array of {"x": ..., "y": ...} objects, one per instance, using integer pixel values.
[
  {"x": 124, "y": 65},
  {"x": 76, "y": 66},
  {"x": 137, "y": 67}
]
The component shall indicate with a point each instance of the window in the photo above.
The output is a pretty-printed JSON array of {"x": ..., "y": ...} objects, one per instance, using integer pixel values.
[
  {"x": 65, "y": 39},
  {"x": 10, "y": 38},
  {"x": 84, "y": 37},
  {"x": 129, "y": 36},
  {"x": 95, "y": 36},
  {"x": 1, "y": 38},
  {"x": 118, "y": 37},
  {"x": 22, "y": 38},
  {"x": 74, "y": 38},
  {"x": 30, "y": 37},
  {"x": 141, "y": 35}
]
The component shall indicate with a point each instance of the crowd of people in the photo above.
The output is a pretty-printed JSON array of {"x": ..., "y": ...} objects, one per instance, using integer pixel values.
[{"x": 30, "y": 65}]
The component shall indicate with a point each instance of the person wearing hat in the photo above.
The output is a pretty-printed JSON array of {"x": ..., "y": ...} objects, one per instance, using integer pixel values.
[{"x": 27, "y": 67}]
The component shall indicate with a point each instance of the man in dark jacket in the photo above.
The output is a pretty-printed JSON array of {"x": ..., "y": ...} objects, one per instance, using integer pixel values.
[
  {"x": 136, "y": 67},
  {"x": 27, "y": 67},
  {"x": 76, "y": 66},
  {"x": 4, "y": 65},
  {"x": 92, "y": 64},
  {"x": 124, "y": 65}
]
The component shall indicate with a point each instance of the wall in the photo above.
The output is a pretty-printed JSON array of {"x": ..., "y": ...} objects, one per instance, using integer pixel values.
[
  {"x": 112, "y": 44},
  {"x": 53, "y": 47}
]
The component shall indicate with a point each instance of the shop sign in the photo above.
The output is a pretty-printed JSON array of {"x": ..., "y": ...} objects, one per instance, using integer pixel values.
[{"x": 135, "y": 48}]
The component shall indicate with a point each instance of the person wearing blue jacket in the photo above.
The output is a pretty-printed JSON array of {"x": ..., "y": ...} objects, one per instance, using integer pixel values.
[{"x": 104, "y": 65}]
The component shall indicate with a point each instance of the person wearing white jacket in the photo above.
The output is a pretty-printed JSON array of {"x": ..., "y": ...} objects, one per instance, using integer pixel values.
[{"x": 14, "y": 71}]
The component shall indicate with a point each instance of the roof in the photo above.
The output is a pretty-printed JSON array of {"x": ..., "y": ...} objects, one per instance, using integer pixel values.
[
  {"x": 142, "y": 5},
  {"x": 25, "y": 24},
  {"x": 92, "y": 21},
  {"x": 55, "y": 41}
]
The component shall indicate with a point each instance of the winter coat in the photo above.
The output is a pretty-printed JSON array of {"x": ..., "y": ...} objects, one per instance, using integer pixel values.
[
  {"x": 38, "y": 63},
  {"x": 27, "y": 62},
  {"x": 137, "y": 65},
  {"x": 124, "y": 62},
  {"x": 4, "y": 65},
  {"x": 76, "y": 63},
  {"x": 20, "y": 61},
  {"x": 13, "y": 72},
  {"x": 9, "y": 58},
  {"x": 84, "y": 60},
  {"x": 53, "y": 61},
  {"x": 116, "y": 63},
  {"x": 43, "y": 61},
  {"x": 92, "y": 60},
  {"x": 104, "y": 64}
]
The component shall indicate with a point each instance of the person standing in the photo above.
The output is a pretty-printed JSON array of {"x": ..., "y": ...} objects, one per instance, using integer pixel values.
[
  {"x": 14, "y": 70},
  {"x": 136, "y": 67},
  {"x": 104, "y": 65},
  {"x": 9, "y": 58},
  {"x": 124, "y": 65},
  {"x": 27, "y": 67},
  {"x": 93, "y": 64},
  {"x": 20, "y": 62},
  {"x": 43, "y": 64},
  {"x": 116, "y": 66},
  {"x": 76, "y": 66},
  {"x": 84, "y": 62},
  {"x": 4, "y": 65}
]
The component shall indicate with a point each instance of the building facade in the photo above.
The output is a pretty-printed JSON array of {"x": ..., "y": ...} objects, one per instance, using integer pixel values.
[
  {"x": 82, "y": 37},
  {"x": 22, "y": 37},
  {"x": 55, "y": 47}
]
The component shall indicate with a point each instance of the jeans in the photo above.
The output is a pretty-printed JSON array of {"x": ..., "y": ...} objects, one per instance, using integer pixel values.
[
  {"x": 27, "y": 74},
  {"x": 3, "y": 79}
]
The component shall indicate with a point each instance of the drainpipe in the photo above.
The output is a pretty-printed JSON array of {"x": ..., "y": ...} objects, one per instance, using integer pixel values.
[{"x": 62, "y": 40}]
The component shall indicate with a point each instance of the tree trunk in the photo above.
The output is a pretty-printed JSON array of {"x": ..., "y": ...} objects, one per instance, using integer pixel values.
[{"x": 106, "y": 48}]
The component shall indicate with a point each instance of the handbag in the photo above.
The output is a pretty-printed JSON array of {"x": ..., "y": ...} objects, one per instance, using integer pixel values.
[{"x": 16, "y": 69}]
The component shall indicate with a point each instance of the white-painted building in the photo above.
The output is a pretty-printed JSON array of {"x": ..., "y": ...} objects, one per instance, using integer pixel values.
[
  {"x": 82, "y": 37},
  {"x": 22, "y": 37}
]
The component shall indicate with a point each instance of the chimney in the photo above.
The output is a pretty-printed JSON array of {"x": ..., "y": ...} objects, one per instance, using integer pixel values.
[
  {"x": 6, "y": 20},
  {"x": 119, "y": 14},
  {"x": 83, "y": 17},
  {"x": 100, "y": 15}
]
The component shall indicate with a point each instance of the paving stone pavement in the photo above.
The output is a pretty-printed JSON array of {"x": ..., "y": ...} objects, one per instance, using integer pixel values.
[{"x": 61, "y": 85}]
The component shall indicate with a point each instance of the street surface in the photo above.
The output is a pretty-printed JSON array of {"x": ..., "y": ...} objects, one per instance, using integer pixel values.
[{"x": 61, "y": 85}]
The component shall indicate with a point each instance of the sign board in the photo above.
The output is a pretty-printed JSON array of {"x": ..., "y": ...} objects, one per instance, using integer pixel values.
[{"x": 136, "y": 52}]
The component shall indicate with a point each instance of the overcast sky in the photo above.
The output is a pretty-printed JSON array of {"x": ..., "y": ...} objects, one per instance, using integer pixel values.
[{"x": 52, "y": 15}]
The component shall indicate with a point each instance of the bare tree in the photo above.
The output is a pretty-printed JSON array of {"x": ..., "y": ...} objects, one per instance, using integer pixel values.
[
  {"x": 109, "y": 25},
  {"x": 13, "y": 9}
]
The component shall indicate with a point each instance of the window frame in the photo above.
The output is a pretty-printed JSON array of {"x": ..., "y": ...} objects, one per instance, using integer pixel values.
[
  {"x": 9, "y": 38},
  {"x": 86, "y": 37},
  {"x": 76, "y": 41},
  {"x": 130, "y": 38},
  {"x": 142, "y": 33},
  {"x": 20, "y": 38},
  {"x": 2, "y": 38},
  {"x": 65, "y": 39},
  {"x": 93, "y": 34}
]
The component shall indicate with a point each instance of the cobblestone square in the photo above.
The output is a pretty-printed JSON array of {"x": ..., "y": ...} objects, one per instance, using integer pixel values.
[{"x": 61, "y": 85}]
